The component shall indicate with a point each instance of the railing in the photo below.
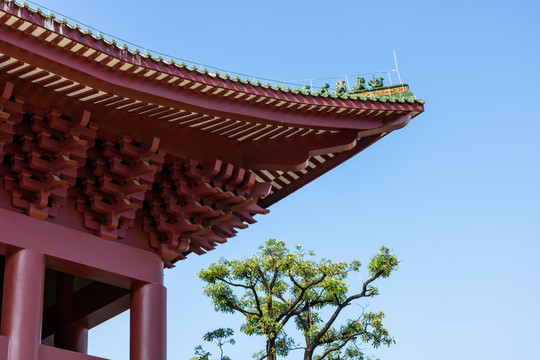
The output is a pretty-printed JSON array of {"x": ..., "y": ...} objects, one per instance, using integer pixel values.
[{"x": 390, "y": 77}]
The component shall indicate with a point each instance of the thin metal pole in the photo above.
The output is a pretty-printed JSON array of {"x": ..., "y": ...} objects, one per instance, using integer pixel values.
[
  {"x": 399, "y": 76},
  {"x": 397, "y": 69},
  {"x": 347, "y": 79}
]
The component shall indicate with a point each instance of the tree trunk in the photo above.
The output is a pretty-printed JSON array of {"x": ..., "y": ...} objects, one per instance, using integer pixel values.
[
  {"x": 271, "y": 349},
  {"x": 308, "y": 353}
]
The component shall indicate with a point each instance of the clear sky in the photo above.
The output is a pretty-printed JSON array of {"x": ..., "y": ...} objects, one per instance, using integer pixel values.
[{"x": 455, "y": 194}]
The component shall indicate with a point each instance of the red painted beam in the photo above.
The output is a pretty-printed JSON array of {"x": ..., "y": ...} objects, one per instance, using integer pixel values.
[
  {"x": 318, "y": 171},
  {"x": 80, "y": 253},
  {"x": 52, "y": 353},
  {"x": 293, "y": 153}
]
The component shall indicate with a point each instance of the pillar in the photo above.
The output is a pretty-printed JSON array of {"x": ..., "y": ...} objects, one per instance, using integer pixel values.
[
  {"x": 148, "y": 326},
  {"x": 67, "y": 335},
  {"x": 22, "y": 308}
]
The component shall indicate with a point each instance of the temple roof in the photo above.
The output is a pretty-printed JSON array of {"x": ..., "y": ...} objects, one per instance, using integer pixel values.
[{"x": 286, "y": 137}]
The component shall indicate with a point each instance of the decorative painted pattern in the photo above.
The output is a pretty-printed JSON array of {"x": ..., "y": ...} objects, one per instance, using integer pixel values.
[{"x": 389, "y": 91}]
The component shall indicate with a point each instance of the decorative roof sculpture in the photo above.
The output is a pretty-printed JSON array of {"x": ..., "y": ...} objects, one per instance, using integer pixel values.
[{"x": 360, "y": 86}]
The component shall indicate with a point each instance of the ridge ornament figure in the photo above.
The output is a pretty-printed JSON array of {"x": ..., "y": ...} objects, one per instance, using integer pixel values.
[
  {"x": 376, "y": 83},
  {"x": 323, "y": 90},
  {"x": 360, "y": 85},
  {"x": 341, "y": 89}
]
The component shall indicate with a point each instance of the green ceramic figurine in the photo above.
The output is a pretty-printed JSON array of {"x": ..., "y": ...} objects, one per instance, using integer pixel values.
[
  {"x": 323, "y": 90},
  {"x": 376, "y": 83},
  {"x": 306, "y": 90},
  {"x": 360, "y": 85},
  {"x": 341, "y": 89}
]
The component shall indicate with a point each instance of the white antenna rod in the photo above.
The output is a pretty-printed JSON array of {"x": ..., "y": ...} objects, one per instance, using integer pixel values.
[{"x": 397, "y": 69}]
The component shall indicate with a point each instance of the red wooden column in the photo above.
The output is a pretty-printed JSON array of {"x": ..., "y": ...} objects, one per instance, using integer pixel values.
[
  {"x": 148, "y": 326},
  {"x": 68, "y": 336},
  {"x": 22, "y": 307}
]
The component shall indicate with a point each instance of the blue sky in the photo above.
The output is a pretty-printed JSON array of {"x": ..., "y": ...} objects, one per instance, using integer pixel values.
[{"x": 455, "y": 194}]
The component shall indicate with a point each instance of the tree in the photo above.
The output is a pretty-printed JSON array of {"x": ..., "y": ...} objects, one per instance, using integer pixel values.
[
  {"x": 201, "y": 354},
  {"x": 220, "y": 337},
  {"x": 277, "y": 285}
]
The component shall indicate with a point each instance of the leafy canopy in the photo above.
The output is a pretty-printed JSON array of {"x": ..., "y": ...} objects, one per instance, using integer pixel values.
[{"x": 277, "y": 285}]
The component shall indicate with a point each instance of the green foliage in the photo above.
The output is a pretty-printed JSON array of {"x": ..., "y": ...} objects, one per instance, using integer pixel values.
[
  {"x": 277, "y": 285},
  {"x": 220, "y": 337},
  {"x": 383, "y": 262},
  {"x": 201, "y": 354}
]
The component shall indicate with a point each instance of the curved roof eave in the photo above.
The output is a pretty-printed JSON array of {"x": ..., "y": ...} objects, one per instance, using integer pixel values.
[{"x": 171, "y": 85}]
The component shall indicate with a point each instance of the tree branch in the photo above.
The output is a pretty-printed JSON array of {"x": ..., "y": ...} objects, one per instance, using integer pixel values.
[
  {"x": 239, "y": 309},
  {"x": 287, "y": 314},
  {"x": 263, "y": 279},
  {"x": 305, "y": 325},
  {"x": 294, "y": 282},
  {"x": 233, "y": 284},
  {"x": 337, "y": 347},
  {"x": 364, "y": 288},
  {"x": 344, "y": 304},
  {"x": 274, "y": 278}
]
